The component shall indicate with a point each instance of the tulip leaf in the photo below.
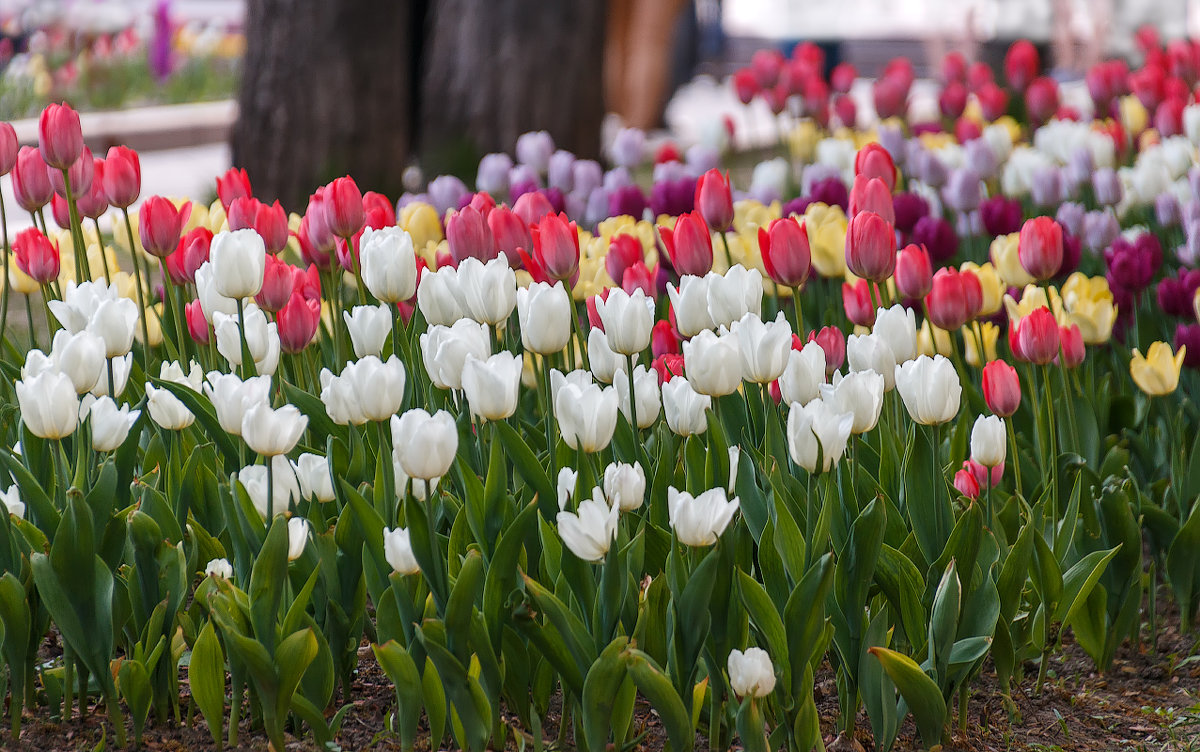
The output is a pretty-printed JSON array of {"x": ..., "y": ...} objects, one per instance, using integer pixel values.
[
  {"x": 766, "y": 621},
  {"x": 203, "y": 410},
  {"x": 41, "y": 509},
  {"x": 501, "y": 575},
  {"x": 658, "y": 690},
  {"x": 1079, "y": 580},
  {"x": 920, "y": 693},
  {"x": 902, "y": 585},
  {"x": 206, "y": 678},
  {"x": 402, "y": 671},
  {"x": 463, "y": 594},
  {"x": 1183, "y": 566},
  {"x": 804, "y": 616},
  {"x": 575, "y": 635},
  {"x": 134, "y": 682},
  {"x": 600, "y": 694},
  {"x": 526, "y": 463},
  {"x": 465, "y": 694},
  {"x": 320, "y": 425},
  {"x": 266, "y": 583},
  {"x": 876, "y": 686}
]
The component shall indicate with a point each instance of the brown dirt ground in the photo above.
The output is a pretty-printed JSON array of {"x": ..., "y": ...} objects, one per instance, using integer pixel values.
[{"x": 1148, "y": 702}]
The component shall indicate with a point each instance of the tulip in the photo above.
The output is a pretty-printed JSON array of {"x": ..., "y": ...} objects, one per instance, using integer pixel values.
[
  {"x": 220, "y": 568},
  {"x": 277, "y": 285},
  {"x": 930, "y": 389},
  {"x": 689, "y": 245},
  {"x": 732, "y": 295},
  {"x": 260, "y": 337},
  {"x": 713, "y": 363},
  {"x": 491, "y": 385},
  {"x": 389, "y": 264},
  {"x": 238, "y": 261},
  {"x": 803, "y": 375},
  {"x": 897, "y": 328},
  {"x": 605, "y": 363},
  {"x": 60, "y": 138},
  {"x": 556, "y": 246},
  {"x": 114, "y": 322},
  {"x": 30, "y": 180},
  {"x": 684, "y": 408},
  {"x": 625, "y": 485},
  {"x": 544, "y": 312},
  {"x": 751, "y": 673},
  {"x": 270, "y": 431},
  {"x": 587, "y": 415},
  {"x": 469, "y": 236},
  {"x": 946, "y": 304},
  {"x": 645, "y": 389},
  {"x": 487, "y": 291},
  {"x": 234, "y": 184},
  {"x": 988, "y": 440},
  {"x": 874, "y": 161},
  {"x": 786, "y": 251},
  {"x": 834, "y": 344},
  {"x": 398, "y": 552},
  {"x": 296, "y": 323},
  {"x": 1001, "y": 388},
  {"x": 377, "y": 388},
  {"x": 36, "y": 256},
  {"x": 160, "y": 223},
  {"x": 298, "y": 529},
  {"x": 764, "y": 347},
  {"x": 369, "y": 327},
  {"x": 110, "y": 425},
  {"x": 49, "y": 404},
  {"x": 438, "y": 298},
  {"x": 79, "y": 355},
  {"x": 817, "y": 429},
  {"x": 120, "y": 370},
  {"x": 872, "y": 195},
  {"x": 690, "y": 303},
  {"x": 714, "y": 201},
  {"x": 590, "y": 530},
  {"x": 699, "y": 520},
  {"x": 1021, "y": 64},
  {"x": 1071, "y": 342},
  {"x": 424, "y": 444},
  {"x": 1157, "y": 372},
  {"x": 344, "y": 208},
  {"x": 627, "y": 320},
  {"x": 8, "y": 148},
  {"x": 284, "y": 489},
  {"x": 871, "y": 352},
  {"x": 166, "y": 410},
  {"x": 445, "y": 351},
  {"x": 122, "y": 179},
  {"x": 1040, "y": 247},
  {"x": 859, "y": 393},
  {"x": 914, "y": 273},
  {"x": 313, "y": 474},
  {"x": 966, "y": 484},
  {"x": 1036, "y": 337},
  {"x": 856, "y": 299}
]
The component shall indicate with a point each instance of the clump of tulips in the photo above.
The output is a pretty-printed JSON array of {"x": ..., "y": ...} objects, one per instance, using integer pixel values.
[{"x": 533, "y": 442}]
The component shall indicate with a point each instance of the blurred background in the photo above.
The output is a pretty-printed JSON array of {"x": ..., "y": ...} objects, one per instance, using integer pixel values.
[{"x": 301, "y": 91}]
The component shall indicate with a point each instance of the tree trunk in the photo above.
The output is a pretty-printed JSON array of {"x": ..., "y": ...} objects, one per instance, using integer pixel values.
[
  {"x": 498, "y": 68},
  {"x": 327, "y": 91}
]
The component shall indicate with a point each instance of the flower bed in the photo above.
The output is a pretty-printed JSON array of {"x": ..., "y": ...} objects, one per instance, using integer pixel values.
[{"x": 443, "y": 428}]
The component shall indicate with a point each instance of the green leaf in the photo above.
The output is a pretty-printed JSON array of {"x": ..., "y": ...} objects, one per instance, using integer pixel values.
[
  {"x": 402, "y": 671},
  {"x": 292, "y": 658},
  {"x": 600, "y": 691},
  {"x": 766, "y": 621},
  {"x": 526, "y": 463},
  {"x": 1079, "y": 581},
  {"x": 199, "y": 405},
  {"x": 134, "y": 683},
  {"x": 658, "y": 690},
  {"x": 266, "y": 583},
  {"x": 206, "y": 677},
  {"x": 1183, "y": 565},
  {"x": 920, "y": 693},
  {"x": 464, "y": 692}
]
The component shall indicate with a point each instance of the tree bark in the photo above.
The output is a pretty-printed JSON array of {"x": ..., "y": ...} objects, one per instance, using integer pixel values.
[
  {"x": 326, "y": 91},
  {"x": 498, "y": 68}
]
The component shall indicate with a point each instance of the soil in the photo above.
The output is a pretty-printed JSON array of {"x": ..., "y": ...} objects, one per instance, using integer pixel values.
[{"x": 1149, "y": 701}]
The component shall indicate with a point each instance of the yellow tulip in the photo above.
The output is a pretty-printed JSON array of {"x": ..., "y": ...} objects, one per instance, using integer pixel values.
[
  {"x": 827, "y": 238},
  {"x": 97, "y": 261},
  {"x": 1008, "y": 266},
  {"x": 21, "y": 282},
  {"x": 973, "y": 335},
  {"x": 197, "y": 216},
  {"x": 1134, "y": 117},
  {"x": 1196, "y": 305},
  {"x": 1033, "y": 297},
  {"x": 989, "y": 281},
  {"x": 619, "y": 225},
  {"x": 1157, "y": 372},
  {"x": 1088, "y": 303},
  {"x": 1010, "y": 125},
  {"x": 153, "y": 325},
  {"x": 749, "y": 215},
  {"x": 592, "y": 279},
  {"x": 216, "y": 221},
  {"x": 933, "y": 341},
  {"x": 802, "y": 140},
  {"x": 420, "y": 220}
]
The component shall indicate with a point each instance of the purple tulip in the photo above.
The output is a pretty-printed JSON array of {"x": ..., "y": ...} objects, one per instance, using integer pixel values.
[
  {"x": 560, "y": 173},
  {"x": 492, "y": 176}
]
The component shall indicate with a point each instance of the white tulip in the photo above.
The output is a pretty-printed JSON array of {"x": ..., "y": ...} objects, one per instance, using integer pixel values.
[
  {"x": 211, "y": 301},
  {"x": 713, "y": 363},
  {"x": 120, "y": 368},
  {"x": 930, "y": 389},
  {"x": 645, "y": 388},
  {"x": 804, "y": 374},
  {"x": 79, "y": 302},
  {"x": 12, "y": 501},
  {"x": 445, "y": 350},
  {"x": 239, "y": 261},
  {"x": 690, "y": 301},
  {"x": 219, "y": 568},
  {"x": 421, "y": 489},
  {"x": 989, "y": 440},
  {"x": 115, "y": 321},
  {"x": 684, "y": 408},
  {"x": 270, "y": 432},
  {"x": 590, "y": 530},
  {"x": 544, "y": 312},
  {"x": 732, "y": 295},
  {"x": 165, "y": 408},
  {"x": 425, "y": 444},
  {"x": 860, "y": 393},
  {"x": 492, "y": 385},
  {"x": 49, "y": 404},
  {"x": 110, "y": 425},
  {"x": 80, "y": 356},
  {"x": 389, "y": 264},
  {"x": 627, "y": 320},
  {"x": 897, "y": 327},
  {"x": 604, "y": 362},
  {"x": 340, "y": 399},
  {"x": 397, "y": 551},
  {"x": 869, "y": 352},
  {"x": 314, "y": 476},
  {"x": 367, "y": 389},
  {"x": 764, "y": 347},
  {"x": 625, "y": 485},
  {"x": 488, "y": 291},
  {"x": 285, "y": 489},
  {"x": 699, "y": 520},
  {"x": 369, "y": 327},
  {"x": 817, "y": 429},
  {"x": 587, "y": 416},
  {"x": 438, "y": 297},
  {"x": 751, "y": 673},
  {"x": 297, "y": 528},
  {"x": 231, "y": 397},
  {"x": 262, "y": 338},
  {"x": 565, "y": 486}
]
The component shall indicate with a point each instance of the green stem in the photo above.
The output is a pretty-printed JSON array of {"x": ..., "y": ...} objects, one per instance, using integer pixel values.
[
  {"x": 1053, "y": 446},
  {"x": 103, "y": 255},
  {"x": 798, "y": 318},
  {"x": 137, "y": 274},
  {"x": 82, "y": 270},
  {"x": 33, "y": 341}
]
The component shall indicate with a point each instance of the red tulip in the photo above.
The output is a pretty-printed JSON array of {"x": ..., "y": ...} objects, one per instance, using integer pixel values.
[
  {"x": 277, "y": 285},
  {"x": 714, "y": 200},
  {"x": 234, "y": 184},
  {"x": 972, "y": 293},
  {"x": 946, "y": 303},
  {"x": 122, "y": 179},
  {"x": 872, "y": 195},
  {"x": 833, "y": 342},
  {"x": 954, "y": 67},
  {"x": 668, "y": 366},
  {"x": 640, "y": 277},
  {"x": 846, "y": 110},
  {"x": 308, "y": 281},
  {"x": 1041, "y": 99},
  {"x": 81, "y": 174},
  {"x": 198, "y": 326},
  {"x": 914, "y": 272},
  {"x": 786, "y": 253},
  {"x": 159, "y": 225},
  {"x": 982, "y": 475},
  {"x": 874, "y": 161},
  {"x": 841, "y": 79},
  {"x": 378, "y": 208},
  {"x": 624, "y": 251},
  {"x": 297, "y": 323},
  {"x": 556, "y": 246},
  {"x": 871, "y": 246},
  {"x": 1040, "y": 247},
  {"x": 1001, "y": 388},
  {"x": 270, "y": 222},
  {"x": 8, "y": 147},
  {"x": 36, "y": 255},
  {"x": 856, "y": 298},
  {"x": 468, "y": 236},
  {"x": 953, "y": 100},
  {"x": 663, "y": 339},
  {"x": 1037, "y": 337},
  {"x": 993, "y": 101},
  {"x": 60, "y": 138},
  {"x": 745, "y": 85},
  {"x": 979, "y": 74},
  {"x": 94, "y": 203},
  {"x": 316, "y": 239},
  {"x": 1071, "y": 341},
  {"x": 965, "y": 484},
  {"x": 532, "y": 206},
  {"x": 193, "y": 251},
  {"x": 1021, "y": 64},
  {"x": 345, "y": 207},
  {"x": 689, "y": 245},
  {"x": 511, "y": 233},
  {"x": 60, "y": 211}
]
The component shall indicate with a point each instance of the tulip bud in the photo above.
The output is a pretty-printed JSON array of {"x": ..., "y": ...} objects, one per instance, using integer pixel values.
[
  {"x": 1157, "y": 372},
  {"x": 690, "y": 303},
  {"x": 1001, "y": 388},
  {"x": 469, "y": 236},
  {"x": 832, "y": 341},
  {"x": 122, "y": 179},
  {"x": 764, "y": 347},
  {"x": 492, "y": 385},
  {"x": 988, "y": 440},
  {"x": 369, "y": 327},
  {"x": 272, "y": 432},
  {"x": 627, "y": 320},
  {"x": 398, "y": 552},
  {"x": 689, "y": 245},
  {"x": 786, "y": 251},
  {"x": 590, "y": 530},
  {"x": 1040, "y": 247},
  {"x": 344, "y": 207},
  {"x": 544, "y": 313},
  {"x": 260, "y": 337},
  {"x": 297, "y": 323},
  {"x": 684, "y": 408},
  {"x": 1071, "y": 341},
  {"x": 198, "y": 327},
  {"x": 220, "y": 568},
  {"x": 699, "y": 520},
  {"x": 930, "y": 389},
  {"x": 734, "y": 294},
  {"x": 751, "y": 673},
  {"x": 234, "y": 184},
  {"x": 966, "y": 484},
  {"x": 60, "y": 137},
  {"x": 36, "y": 256},
  {"x": 714, "y": 201},
  {"x": 874, "y": 161},
  {"x": 160, "y": 223},
  {"x": 713, "y": 363},
  {"x": 587, "y": 415},
  {"x": 947, "y": 304},
  {"x": 856, "y": 299},
  {"x": 231, "y": 397},
  {"x": 817, "y": 430},
  {"x": 425, "y": 444},
  {"x": 1021, "y": 64},
  {"x": 625, "y": 486},
  {"x": 645, "y": 390},
  {"x": 164, "y": 407},
  {"x": 49, "y": 404},
  {"x": 239, "y": 263},
  {"x": 8, "y": 147},
  {"x": 278, "y": 276},
  {"x": 1036, "y": 336},
  {"x": 297, "y": 537},
  {"x": 31, "y": 180}
]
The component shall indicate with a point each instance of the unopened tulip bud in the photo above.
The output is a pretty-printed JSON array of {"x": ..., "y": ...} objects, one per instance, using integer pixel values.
[{"x": 60, "y": 138}]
